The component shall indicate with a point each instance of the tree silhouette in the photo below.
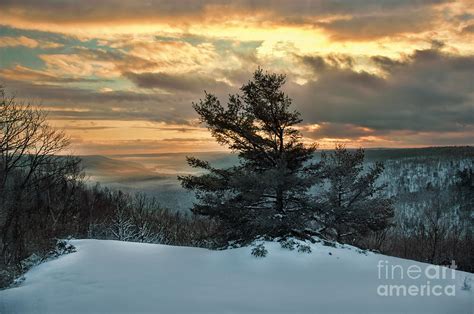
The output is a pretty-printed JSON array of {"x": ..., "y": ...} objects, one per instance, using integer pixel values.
[
  {"x": 351, "y": 202},
  {"x": 267, "y": 192}
]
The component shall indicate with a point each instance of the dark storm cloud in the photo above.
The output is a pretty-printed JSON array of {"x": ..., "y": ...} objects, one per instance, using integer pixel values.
[
  {"x": 86, "y": 104},
  {"x": 187, "y": 82},
  {"x": 26, "y": 74},
  {"x": 340, "y": 130},
  {"x": 386, "y": 64},
  {"x": 429, "y": 91},
  {"x": 91, "y": 10},
  {"x": 366, "y": 27},
  {"x": 329, "y": 62}
]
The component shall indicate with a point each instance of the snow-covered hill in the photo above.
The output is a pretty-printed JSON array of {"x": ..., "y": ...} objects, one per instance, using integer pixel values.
[{"x": 124, "y": 277}]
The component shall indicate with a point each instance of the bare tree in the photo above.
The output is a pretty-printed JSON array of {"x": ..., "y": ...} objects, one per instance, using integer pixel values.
[
  {"x": 121, "y": 225},
  {"x": 29, "y": 149}
]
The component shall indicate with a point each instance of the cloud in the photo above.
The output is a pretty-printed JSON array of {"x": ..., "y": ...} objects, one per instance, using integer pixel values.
[
  {"x": 18, "y": 41},
  {"x": 21, "y": 73},
  {"x": 338, "y": 130},
  {"x": 171, "y": 55},
  {"x": 136, "y": 60},
  {"x": 342, "y": 19},
  {"x": 139, "y": 146},
  {"x": 77, "y": 65},
  {"x": 93, "y": 11},
  {"x": 360, "y": 70},
  {"x": 187, "y": 82},
  {"x": 329, "y": 62},
  {"x": 468, "y": 29},
  {"x": 6, "y": 41},
  {"x": 369, "y": 27},
  {"x": 428, "y": 91},
  {"x": 386, "y": 64},
  {"x": 66, "y": 102}
]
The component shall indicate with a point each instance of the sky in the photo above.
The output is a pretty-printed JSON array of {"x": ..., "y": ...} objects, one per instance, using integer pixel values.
[{"x": 120, "y": 76}]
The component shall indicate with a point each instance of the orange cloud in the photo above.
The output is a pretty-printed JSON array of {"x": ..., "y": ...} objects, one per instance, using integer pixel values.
[
  {"x": 358, "y": 70},
  {"x": 18, "y": 41}
]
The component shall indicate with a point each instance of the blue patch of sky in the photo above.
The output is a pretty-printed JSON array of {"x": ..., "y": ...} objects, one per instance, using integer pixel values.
[
  {"x": 29, "y": 57},
  {"x": 38, "y": 35},
  {"x": 11, "y": 56}
]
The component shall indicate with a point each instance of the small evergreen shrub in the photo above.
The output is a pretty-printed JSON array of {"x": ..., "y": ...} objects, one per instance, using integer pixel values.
[
  {"x": 288, "y": 244},
  {"x": 11, "y": 276},
  {"x": 303, "y": 248},
  {"x": 259, "y": 251},
  {"x": 328, "y": 243},
  {"x": 466, "y": 286},
  {"x": 7, "y": 276},
  {"x": 30, "y": 261},
  {"x": 62, "y": 248}
]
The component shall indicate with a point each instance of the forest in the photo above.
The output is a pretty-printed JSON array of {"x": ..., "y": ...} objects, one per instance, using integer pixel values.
[{"x": 278, "y": 190}]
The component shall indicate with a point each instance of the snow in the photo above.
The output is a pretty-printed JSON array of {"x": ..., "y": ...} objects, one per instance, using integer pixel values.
[{"x": 124, "y": 277}]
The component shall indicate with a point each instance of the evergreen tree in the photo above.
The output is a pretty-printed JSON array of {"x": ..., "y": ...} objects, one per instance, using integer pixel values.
[
  {"x": 350, "y": 201},
  {"x": 266, "y": 193}
]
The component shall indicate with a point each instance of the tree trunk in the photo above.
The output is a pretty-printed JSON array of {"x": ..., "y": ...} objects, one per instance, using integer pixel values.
[{"x": 279, "y": 201}]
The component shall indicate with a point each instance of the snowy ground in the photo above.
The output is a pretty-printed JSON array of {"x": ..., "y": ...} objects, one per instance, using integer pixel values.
[{"x": 124, "y": 277}]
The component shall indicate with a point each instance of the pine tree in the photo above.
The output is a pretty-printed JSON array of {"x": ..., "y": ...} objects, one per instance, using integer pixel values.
[
  {"x": 266, "y": 193},
  {"x": 351, "y": 202}
]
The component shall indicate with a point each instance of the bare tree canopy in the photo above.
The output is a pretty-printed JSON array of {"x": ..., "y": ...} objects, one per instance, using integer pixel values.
[{"x": 29, "y": 162}]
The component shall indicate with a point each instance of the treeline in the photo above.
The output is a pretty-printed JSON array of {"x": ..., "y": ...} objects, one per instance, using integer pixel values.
[
  {"x": 278, "y": 190},
  {"x": 438, "y": 231},
  {"x": 135, "y": 217},
  {"x": 43, "y": 197},
  {"x": 62, "y": 206}
]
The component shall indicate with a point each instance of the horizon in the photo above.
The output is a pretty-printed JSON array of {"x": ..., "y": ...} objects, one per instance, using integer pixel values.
[
  {"x": 372, "y": 75},
  {"x": 230, "y": 152}
]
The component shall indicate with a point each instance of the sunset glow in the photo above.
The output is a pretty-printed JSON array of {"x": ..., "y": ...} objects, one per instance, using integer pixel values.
[{"x": 120, "y": 76}]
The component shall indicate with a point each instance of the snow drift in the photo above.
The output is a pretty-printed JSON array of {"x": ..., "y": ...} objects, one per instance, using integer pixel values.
[{"x": 125, "y": 277}]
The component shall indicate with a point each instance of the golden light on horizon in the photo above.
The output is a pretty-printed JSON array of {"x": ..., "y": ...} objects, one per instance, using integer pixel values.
[{"x": 359, "y": 74}]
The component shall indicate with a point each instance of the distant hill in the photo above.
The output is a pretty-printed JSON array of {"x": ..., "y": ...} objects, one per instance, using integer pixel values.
[
  {"x": 105, "y": 169},
  {"x": 407, "y": 170},
  {"x": 381, "y": 154}
]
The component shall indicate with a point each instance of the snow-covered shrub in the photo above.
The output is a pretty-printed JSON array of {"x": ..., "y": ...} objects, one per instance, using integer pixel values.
[
  {"x": 329, "y": 243},
  {"x": 466, "y": 285},
  {"x": 62, "y": 248},
  {"x": 288, "y": 244},
  {"x": 7, "y": 276},
  {"x": 30, "y": 261},
  {"x": 146, "y": 235},
  {"x": 304, "y": 248},
  {"x": 11, "y": 276},
  {"x": 259, "y": 251}
]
